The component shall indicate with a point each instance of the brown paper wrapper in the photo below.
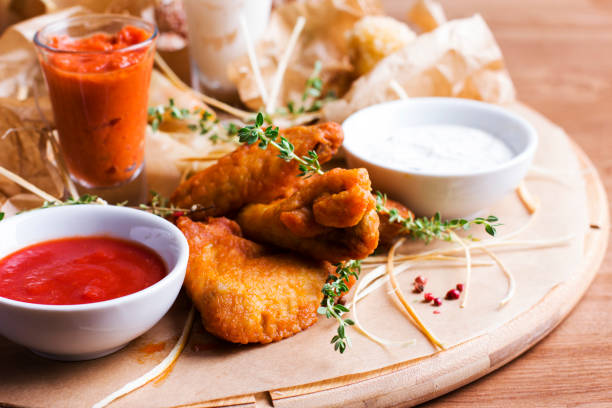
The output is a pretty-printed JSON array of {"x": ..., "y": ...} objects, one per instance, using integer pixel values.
[
  {"x": 427, "y": 15},
  {"x": 460, "y": 59},
  {"x": 166, "y": 151},
  {"x": 19, "y": 72},
  {"x": 323, "y": 39},
  {"x": 23, "y": 150}
]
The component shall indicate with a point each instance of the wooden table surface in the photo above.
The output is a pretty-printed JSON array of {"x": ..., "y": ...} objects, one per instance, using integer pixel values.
[{"x": 559, "y": 54}]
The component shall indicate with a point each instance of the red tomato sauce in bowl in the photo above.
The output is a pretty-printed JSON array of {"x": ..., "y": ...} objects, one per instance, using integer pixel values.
[{"x": 79, "y": 270}]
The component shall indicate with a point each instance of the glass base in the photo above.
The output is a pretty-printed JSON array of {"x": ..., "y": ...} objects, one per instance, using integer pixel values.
[
  {"x": 85, "y": 184},
  {"x": 134, "y": 191},
  {"x": 201, "y": 83}
]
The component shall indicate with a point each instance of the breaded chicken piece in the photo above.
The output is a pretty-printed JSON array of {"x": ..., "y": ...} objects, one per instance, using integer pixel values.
[
  {"x": 391, "y": 231},
  {"x": 245, "y": 292},
  {"x": 254, "y": 175},
  {"x": 332, "y": 218}
]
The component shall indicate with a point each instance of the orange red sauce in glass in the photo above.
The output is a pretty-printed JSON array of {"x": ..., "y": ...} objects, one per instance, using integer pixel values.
[
  {"x": 99, "y": 94},
  {"x": 79, "y": 270}
]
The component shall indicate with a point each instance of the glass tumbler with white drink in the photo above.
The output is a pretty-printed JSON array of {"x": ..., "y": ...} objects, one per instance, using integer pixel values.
[{"x": 216, "y": 39}]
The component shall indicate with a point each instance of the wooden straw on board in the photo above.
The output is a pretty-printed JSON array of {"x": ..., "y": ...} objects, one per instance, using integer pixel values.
[
  {"x": 26, "y": 184},
  {"x": 239, "y": 113}
]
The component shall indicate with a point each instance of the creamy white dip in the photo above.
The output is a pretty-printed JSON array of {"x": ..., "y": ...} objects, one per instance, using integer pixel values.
[{"x": 442, "y": 149}]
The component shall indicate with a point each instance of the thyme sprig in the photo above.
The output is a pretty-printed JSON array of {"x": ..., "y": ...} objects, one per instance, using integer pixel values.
[
  {"x": 83, "y": 199},
  {"x": 162, "y": 207},
  {"x": 314, "y": 84},
  {"x": 157, "y": 114},
  {"x": 159, "y": 205},
  {"x": 231, "y": 129},
  {"x": 428, "y": 229},
  {"x": 335, "y": 287},
  {"x": 255, "y": 133},
  {"x": 197, "y": 120},
  {"x": 313, "y": 89}
]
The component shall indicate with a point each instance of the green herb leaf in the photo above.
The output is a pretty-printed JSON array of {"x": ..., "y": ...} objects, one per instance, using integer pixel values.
[
  {"x": 155, "y": 124},
  {"x": 232, "y": 129},
  {"x": 259, "y": 120},
  {"x": 250, "y": 134},
  {"x": 311, "y": 94},
  {"x": 428, "y": 229},
  {"x": 333, "y": 290},
  {"x": 156, "y": 116}
]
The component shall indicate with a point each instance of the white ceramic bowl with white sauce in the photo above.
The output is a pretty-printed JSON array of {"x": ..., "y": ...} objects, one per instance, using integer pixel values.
[
  {"x": 459, "y": 191},
  {"x": 86, "y": 331}
]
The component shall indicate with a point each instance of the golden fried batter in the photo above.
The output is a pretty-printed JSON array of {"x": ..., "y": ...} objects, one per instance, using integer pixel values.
[
  {"x": 391, "y": 231},
  {"x": 247, "y": 293},
  {"x": 253, "y": 175},
  {"x": 332, "y": 217}
]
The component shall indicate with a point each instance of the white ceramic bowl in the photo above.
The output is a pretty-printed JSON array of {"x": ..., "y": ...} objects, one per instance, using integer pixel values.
[
  {"x": 87, "y": 331},
  {"x": 457, "y": 194}
]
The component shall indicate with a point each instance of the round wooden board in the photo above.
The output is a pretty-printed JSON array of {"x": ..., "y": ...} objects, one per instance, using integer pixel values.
[{"x": 452, "y": 368}]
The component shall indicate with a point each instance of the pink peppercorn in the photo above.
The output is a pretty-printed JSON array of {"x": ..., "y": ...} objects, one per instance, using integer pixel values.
[
  {"x": 418, "y": 288},
  {"x": 453, "y": 294},
  {"x": 460, "y": 287},
  {"x": 437, "y": 302},
  {"x": 178, "y": 214},
  {"x": 421, "y": 280},
  {"x": 428, "y": 297}
]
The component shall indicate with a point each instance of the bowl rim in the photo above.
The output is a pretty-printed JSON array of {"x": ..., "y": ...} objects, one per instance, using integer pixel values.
[
  {"x": 178, "y": 269},
  {"x": 433, "y": 103}
]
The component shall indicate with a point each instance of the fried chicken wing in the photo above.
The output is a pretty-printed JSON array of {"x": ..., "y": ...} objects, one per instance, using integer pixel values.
[
  {"x": 254, "y": 175},
  {"x": 245, "y": 292},
  {"x": 332, "y": 217},
  {"x": 391, "y": 231}
]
